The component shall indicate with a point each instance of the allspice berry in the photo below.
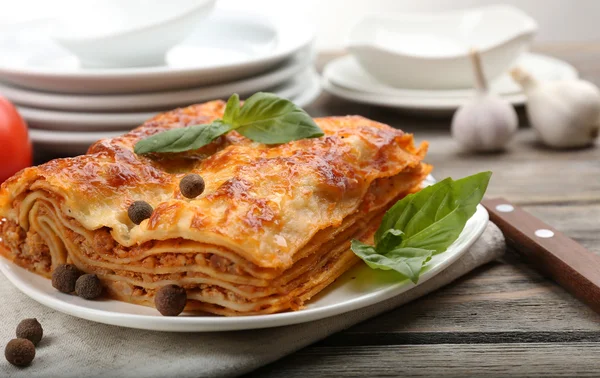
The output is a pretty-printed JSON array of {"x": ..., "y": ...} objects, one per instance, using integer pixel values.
[
  {"x": 170, "y": 300},
  {"x": 64, "y": 277},
  {"x": 88, "y": 286},
  {"x": 191, "y": 185},
  {"x": 19, "y": 352},
  {"x": 31, "y": 330},
  {"x": 139, "y": 210}
]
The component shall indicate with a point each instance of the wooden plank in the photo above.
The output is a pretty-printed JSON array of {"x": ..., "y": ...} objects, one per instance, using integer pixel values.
[
  {"x": 496, "y": 298},
  {"x": 479, "y": 360},
  {"x": 579, "y": 221},
  {"x": 526, "y": 173},
  {"x": 429, "y": 338}
]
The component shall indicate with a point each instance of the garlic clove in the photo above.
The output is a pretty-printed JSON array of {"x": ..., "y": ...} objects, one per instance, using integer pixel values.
[
  {"x": 564, "y": 114},
  {"x": 487, "y": 122},
  {"x": 524, "y": 79}
]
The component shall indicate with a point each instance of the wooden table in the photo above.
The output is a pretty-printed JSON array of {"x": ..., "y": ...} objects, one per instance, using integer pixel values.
[{"x": 503, "y": 318}]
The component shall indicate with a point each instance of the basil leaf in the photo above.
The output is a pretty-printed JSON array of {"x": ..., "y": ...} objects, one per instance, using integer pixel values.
[
  {"x": 406, "y": 261},
  {"x": 428, "y": 221},
  {"x": 232, "y": 109},
  {"x": 398, "y": 215},
  {"x": 264, "y": 118},
  {"x": 182, "y": 139},
  {"x": 391, "y": 239},
  {"x": 442, "y": 217},
  {"x": 268, "y": 119}
]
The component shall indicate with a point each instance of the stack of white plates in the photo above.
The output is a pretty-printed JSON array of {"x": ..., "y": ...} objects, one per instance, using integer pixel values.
[
  {"x": 68, "y": 107},
  {"x": 346, "y": 78}
]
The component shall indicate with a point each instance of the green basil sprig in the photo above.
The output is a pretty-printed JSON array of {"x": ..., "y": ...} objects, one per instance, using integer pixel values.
[
  {"x": 264, "y": 118},
  {"x": 423, "y": 224}
]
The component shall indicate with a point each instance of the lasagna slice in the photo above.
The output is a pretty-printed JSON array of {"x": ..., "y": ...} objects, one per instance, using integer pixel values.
[{"x": 271, "y": 229}]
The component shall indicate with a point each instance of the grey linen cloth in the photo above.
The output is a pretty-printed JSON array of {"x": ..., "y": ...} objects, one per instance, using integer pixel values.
[{"x": 74, "y": 347}]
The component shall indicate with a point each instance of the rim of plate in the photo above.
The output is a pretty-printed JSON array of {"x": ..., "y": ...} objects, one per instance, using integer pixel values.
[
  {"x": 31, "y": 99},
  {"x": 436, "y": 103},
  {"x": 293, "y": 35},
  {"x": 211, "y": 323}
]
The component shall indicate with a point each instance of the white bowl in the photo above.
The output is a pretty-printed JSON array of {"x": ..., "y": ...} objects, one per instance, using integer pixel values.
[
  {"x": 431, "y": 50},
  {"x": 128, "y": 33}
]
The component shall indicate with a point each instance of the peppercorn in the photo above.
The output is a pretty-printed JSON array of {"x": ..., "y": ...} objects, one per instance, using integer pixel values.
[
  {"x": 64, "y": 277},
  {"x": 191, "y": 185},
  {"x": 88, "y": 286},
  {"x": 170, "y": 300},
  {"x": 31, "y": 330},
  {"x": 139, "y": 210},
  {"x": 19, "y": 352}
]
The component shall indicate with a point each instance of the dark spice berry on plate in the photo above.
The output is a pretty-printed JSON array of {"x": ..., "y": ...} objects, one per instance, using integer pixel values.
[
  {"x": 64, "y": 277},
  {"x": 88, "y": 286},
  {"x": 170, "y": 300},
  {"x": 191, "y": 185},
  {"x": 139, "y": 210},
  {"x": 19, "y": 352},
  {"x": 31, "y": 330}
]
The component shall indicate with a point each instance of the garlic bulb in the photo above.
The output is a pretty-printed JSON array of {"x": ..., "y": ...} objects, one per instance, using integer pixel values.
[
  {"x": 565, "y": 113},
  {"x": 487, "y": 122}
]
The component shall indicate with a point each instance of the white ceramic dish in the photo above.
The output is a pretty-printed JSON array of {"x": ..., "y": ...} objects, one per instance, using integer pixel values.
[
  {"x": 228, "y": 46},
  {"x": 357, "y": 288},
  {"x": 71, "y": 143},
  {"x": 155, "y": 100},
  {"x": 347, "y": 80},
  {"x": 431, "y": 50},
  {"x": 89, "y": 121},
  {"x": 130, "y": 33}
]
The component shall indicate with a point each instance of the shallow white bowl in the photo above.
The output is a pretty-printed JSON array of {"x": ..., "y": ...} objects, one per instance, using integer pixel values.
[
  {"x": 128, "y": 33},
  {"x": 431, "y": 50}
]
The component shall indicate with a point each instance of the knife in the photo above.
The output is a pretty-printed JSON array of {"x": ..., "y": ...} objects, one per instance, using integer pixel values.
[{"x": 550, "y": 251}]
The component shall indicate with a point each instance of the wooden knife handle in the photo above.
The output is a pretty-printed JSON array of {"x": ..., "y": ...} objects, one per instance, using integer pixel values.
[{"x": 550, "y": 251}]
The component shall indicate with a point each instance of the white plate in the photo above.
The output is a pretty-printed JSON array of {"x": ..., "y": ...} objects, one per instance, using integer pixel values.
[
  {"x": 359, "y": 287},
  {"x": 347, "y": 72},
  {"x": 442, "y": 105},
  {"x": 105, "y": 121},
  {"x": 157, "y": 100},
  {"x": 228, "y": 46},
  {"x": 542, "y": 67},
  {"x": 71, "y": 143}
]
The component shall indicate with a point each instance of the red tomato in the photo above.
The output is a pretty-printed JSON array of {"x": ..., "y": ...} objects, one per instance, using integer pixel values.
[{"x": 15, "y": 147}]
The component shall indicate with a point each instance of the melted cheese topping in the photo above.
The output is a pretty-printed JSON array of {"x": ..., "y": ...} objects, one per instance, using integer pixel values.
[{"x": 262, "y": 202}]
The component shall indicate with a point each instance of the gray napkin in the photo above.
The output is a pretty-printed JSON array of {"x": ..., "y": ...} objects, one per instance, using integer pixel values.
[{"x": 73, "y": 347}]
